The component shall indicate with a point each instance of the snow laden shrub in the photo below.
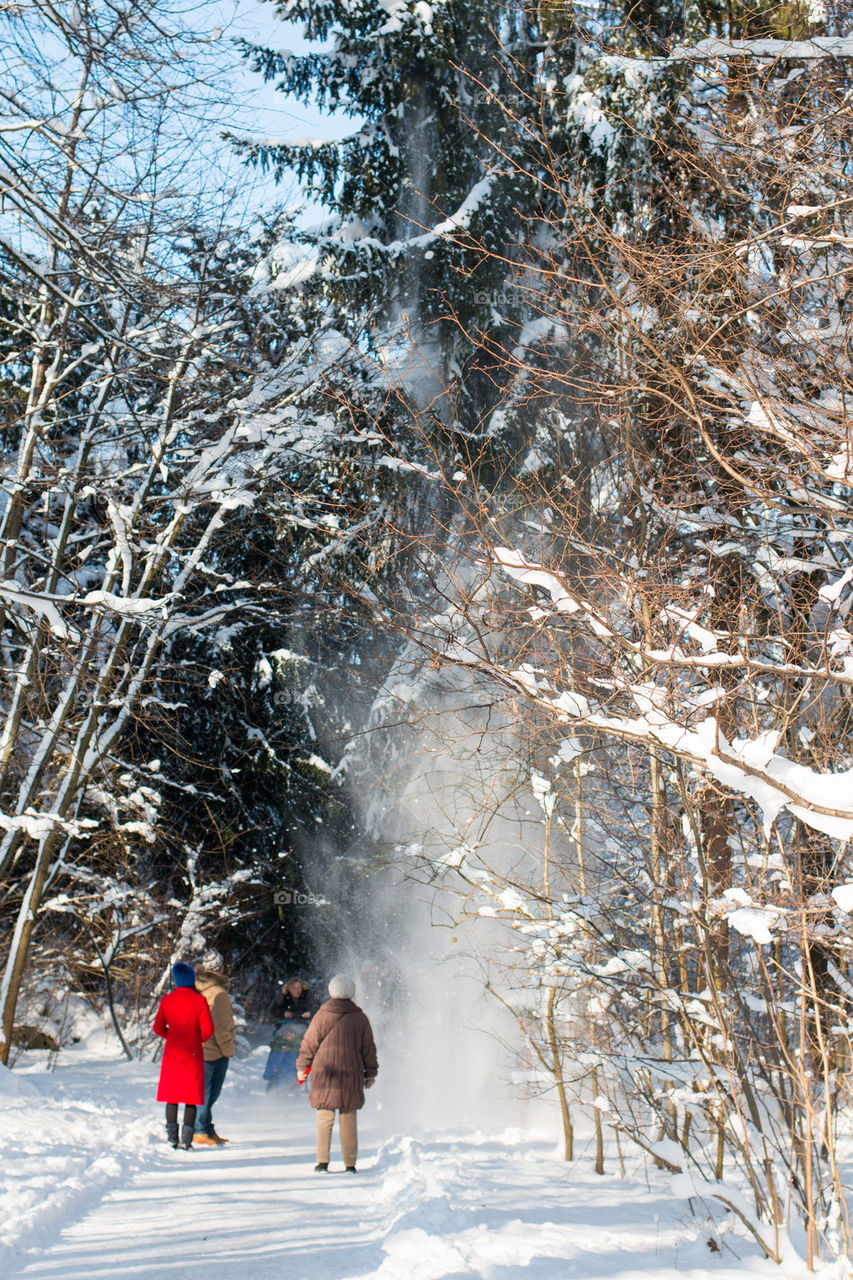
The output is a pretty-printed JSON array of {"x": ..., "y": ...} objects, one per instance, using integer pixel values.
[{"x": 727, "y": 1068}]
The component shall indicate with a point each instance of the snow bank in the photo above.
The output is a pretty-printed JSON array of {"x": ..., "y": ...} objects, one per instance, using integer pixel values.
[
  {"x": 89, "y": 1188},
  {"x": 64, "y": 1146},
  {"x": 14, "y": 1086}
]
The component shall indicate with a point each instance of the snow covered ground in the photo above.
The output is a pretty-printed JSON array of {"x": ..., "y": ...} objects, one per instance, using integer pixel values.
[{"x": 88, "y": 1189}]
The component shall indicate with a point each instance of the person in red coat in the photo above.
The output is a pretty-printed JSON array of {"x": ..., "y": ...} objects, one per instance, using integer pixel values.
[{"x": 184, "y": 1022}]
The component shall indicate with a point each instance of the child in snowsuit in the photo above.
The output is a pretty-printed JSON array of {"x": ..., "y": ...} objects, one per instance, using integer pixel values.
[
  {"x": 292, "y": 1011},
  {"x": 184, "y": 1022}
]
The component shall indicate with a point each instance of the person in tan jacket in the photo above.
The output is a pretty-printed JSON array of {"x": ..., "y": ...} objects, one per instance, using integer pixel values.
[
  {"x": 213, "y": 985},
  {"x": 339, "y": 1051}
]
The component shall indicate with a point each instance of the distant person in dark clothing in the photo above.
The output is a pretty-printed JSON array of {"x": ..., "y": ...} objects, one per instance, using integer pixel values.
[
  {"x": 292, "y": 1011},
  {"x": 295, "y": 1000}
]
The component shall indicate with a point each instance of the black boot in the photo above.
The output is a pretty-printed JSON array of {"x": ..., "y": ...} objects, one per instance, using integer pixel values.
[
  {"x": 350, "y": 1169},
  {"x": 323, "y": 1167},
  {"x": 172, "y": 1133},
  {"x": 187, "y": 1131}
]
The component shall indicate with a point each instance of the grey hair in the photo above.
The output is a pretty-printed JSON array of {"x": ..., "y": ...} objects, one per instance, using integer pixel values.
[{"x": 341, "y": 987}]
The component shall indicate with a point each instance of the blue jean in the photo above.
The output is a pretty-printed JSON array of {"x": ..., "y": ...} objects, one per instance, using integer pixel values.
[{"x": 214, "y": 1078}]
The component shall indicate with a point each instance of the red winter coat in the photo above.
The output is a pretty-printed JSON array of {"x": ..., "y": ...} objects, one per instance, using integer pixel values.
[{"x": 184, "y": 1021}]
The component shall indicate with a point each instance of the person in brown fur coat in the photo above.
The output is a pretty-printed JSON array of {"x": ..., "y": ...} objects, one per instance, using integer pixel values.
[{"x": 339, "y": 1052}]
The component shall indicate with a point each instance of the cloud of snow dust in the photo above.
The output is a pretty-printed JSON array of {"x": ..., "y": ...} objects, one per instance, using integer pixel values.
[{"x": 437, "y": 786}]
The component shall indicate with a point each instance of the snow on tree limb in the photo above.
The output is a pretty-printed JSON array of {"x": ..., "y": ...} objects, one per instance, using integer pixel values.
[{"x": 817, "y": 48}]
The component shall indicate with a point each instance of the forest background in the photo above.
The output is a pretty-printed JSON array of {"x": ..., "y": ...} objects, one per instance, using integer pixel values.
[{"x": 485, "y": 528}]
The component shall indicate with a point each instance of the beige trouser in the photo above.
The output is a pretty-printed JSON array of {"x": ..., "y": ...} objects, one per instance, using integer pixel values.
[{"x": 349, "y": 1136}]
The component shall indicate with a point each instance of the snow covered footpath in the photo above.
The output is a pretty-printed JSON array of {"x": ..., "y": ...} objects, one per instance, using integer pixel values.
[{"x": 88, "y": 1188}]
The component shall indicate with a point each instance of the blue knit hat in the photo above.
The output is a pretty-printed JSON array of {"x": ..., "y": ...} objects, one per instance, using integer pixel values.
[{"x": 184, "y": 974}]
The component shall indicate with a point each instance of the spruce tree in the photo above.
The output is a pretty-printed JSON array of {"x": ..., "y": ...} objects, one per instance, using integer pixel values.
[{"x": 418, "y": 188}]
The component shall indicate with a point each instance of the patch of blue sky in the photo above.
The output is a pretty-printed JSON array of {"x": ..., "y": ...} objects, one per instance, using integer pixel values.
[{"x": 262, "y": 112}]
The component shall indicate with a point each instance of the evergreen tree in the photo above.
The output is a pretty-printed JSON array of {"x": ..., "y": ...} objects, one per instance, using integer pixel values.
[{"x": 417, "y": 189}]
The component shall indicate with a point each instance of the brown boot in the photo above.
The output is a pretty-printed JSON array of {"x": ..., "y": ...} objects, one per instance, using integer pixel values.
[{"x": 204, "y": 1140}]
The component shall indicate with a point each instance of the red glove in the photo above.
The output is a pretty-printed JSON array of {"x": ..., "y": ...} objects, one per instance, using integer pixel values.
[{"x": 304, "y": 1076}]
